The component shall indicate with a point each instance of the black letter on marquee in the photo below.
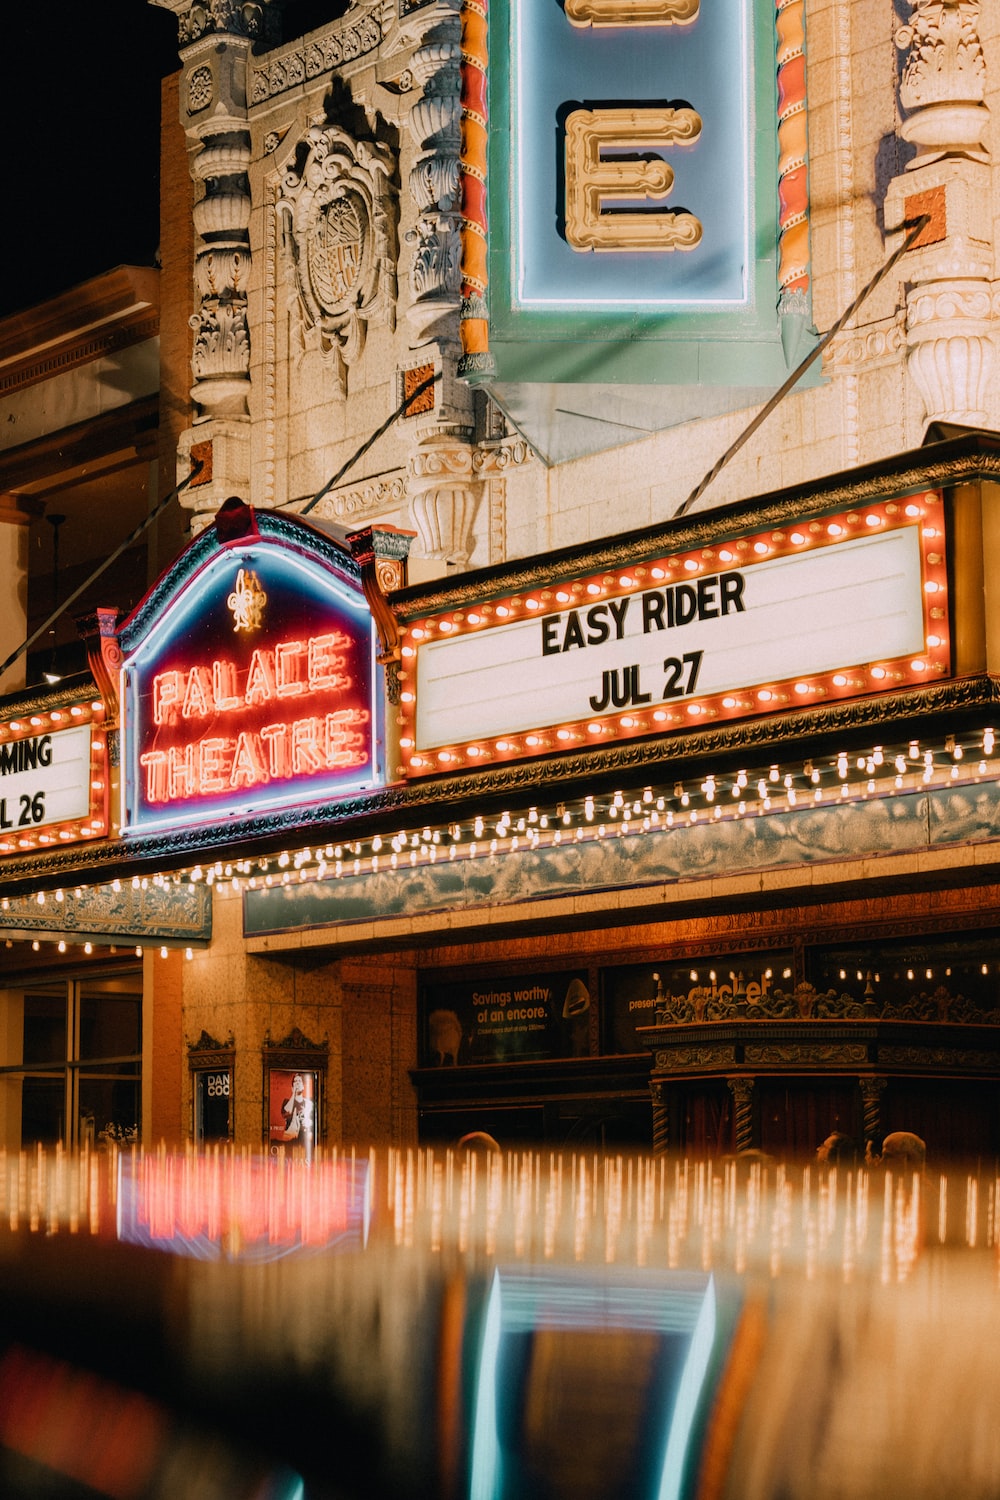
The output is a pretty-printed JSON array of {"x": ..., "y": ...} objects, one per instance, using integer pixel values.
[
  {"x": 652, "y": 611},
  {"x": 732, "y": 592},
  {"x": 550, "y": 646}
]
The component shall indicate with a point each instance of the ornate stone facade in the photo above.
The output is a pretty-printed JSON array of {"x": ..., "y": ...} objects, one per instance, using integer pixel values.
[
  {"x": 445, "y": 496},
  {"x": 340, "y": 210},
  {"x": 433, "y": 124},
  {"x": 215, "y": 39},
  {"x": 949, "y": 300}
]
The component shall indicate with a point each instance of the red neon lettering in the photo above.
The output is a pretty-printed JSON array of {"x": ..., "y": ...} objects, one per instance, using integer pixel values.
[
  {"x": 248, "y": 762},
  {"x": 213, "y": 765},
  {"x": 260, "y": 678},
  {"x": 250, "y": 757},
  {"x": 181, "y": 775},
  {"x": 287, "y": 666},
  {"x": 307, "y": 752},
  {"x": 345, "y": 747},
  {"x": 166, "y": 696},
  {"x": 154, "y": 763},
  {"x": 224, "y": 692},
  {"x": 197, "y": 694},
  {"x": 326, "y": 663},
  {"x": 275, "y": 737}
]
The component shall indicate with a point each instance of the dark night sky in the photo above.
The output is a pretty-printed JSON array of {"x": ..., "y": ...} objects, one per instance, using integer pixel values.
[{"x": 79, "y": 122}]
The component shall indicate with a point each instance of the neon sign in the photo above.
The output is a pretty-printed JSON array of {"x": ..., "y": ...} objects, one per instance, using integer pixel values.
[
  {"x": 846, "y": 605},
  {"x": 253, "y": 687},
  {"x": 247, "y": 601},
  {"x": 632, "y": 214}
]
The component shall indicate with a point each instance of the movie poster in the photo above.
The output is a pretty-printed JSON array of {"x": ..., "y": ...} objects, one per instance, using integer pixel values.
[{"x": 293, "y": 1096}]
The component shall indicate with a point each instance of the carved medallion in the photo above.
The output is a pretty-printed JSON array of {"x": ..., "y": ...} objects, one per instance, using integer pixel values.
[
  {"x": 335, "y": 251},
  {"x": 340, "y": 206}
]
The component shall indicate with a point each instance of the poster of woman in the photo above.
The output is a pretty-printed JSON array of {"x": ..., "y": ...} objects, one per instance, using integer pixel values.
[{"x": 292, "y": 1097}]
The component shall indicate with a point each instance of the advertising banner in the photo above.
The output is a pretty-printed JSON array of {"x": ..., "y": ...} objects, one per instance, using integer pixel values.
[
  {"x": 506, "y": 1020},
  {"x": 697, "y": 989}
]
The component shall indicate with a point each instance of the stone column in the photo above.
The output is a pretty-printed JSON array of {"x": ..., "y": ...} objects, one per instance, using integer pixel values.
[
  {"x": 433, "y": 122},
  {"x": 215, "y": 41},
  {"x": 442, "y": 487},
  {"x": 661, "y": 1117},
  {"x": 742, "y": 1092},
  {"x": 872, "y": 1090},
  {"x": 950, "y": 351}
]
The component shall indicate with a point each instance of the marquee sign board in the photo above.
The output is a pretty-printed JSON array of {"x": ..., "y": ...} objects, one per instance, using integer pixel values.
[
  {"x": 249, "y": 681},
  {"x": 53, "y": 777},
  {"x": 836, "y": 607}
]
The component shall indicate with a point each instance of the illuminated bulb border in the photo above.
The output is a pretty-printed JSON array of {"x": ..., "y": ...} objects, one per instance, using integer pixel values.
[
  {"x": 95, "y": 824},
  {"x": 923, "y": 510},
  {"x": 878, "y": 773}
]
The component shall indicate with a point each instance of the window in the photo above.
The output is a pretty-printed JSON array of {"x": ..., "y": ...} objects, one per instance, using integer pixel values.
[{"x": 80, "y": 1068}]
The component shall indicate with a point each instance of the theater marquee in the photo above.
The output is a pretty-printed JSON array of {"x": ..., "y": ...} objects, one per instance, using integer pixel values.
[
  {"x": 53, "y": 777},
  {"x": 837, "y": 607}
]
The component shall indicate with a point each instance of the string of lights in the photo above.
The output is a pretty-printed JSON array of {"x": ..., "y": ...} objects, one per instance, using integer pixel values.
[{"x": 961, "y": 759}]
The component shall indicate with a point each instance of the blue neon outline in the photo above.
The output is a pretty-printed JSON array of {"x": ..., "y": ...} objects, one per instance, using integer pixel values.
[
  {"x": 167, "y": 615},
  {"x": 745, "y": 302},
  {"x": 579, "y": 1291},
  {"x": 485, "y": 1469},
  {"x": 688, "y": 1395}
]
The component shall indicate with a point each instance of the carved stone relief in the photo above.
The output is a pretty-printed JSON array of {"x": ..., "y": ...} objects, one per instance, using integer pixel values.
[
  {"x": 220, "y": 353},
  {"x": 245, "y": 18},
  {"x": 445, "y": 495},
  {"x": 951, "y": 353},
  {"x": 340, "y": 209},
  {"x": 213, "y": 109},
  {"x": 357, "y": 35},
  {"x": 944, "y": 80},
  {"x": 433, "y": 122}
]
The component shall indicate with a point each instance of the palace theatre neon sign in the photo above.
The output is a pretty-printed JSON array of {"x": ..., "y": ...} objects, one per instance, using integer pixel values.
[{"x": 252, "y": 689}]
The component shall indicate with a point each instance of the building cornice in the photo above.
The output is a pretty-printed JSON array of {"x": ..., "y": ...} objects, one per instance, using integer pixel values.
[
  {"x": 99, "y": 317},
  {"x": 130, "y": 429},
  {"x": 938, "y": 466}
]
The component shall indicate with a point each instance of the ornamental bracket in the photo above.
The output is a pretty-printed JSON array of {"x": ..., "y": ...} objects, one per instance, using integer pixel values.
[{"x": 381, "y": 552}]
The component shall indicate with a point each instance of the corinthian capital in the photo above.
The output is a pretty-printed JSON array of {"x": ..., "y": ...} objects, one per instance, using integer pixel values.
[
  {"x": 254, "y": 19},
  {"x": 944, "y": 80}
]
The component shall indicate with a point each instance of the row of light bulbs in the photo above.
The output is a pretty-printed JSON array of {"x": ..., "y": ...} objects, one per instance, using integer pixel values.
[
  {"x": 882, "y": 771},
  {"x": 87, "y": 947},
  {"x": 754, "y": 547},
  {"x": 848, "y": 776}
]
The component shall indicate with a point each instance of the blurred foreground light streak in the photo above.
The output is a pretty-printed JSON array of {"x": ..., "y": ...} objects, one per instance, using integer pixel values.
[{"x": 465, "y": 1323}]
